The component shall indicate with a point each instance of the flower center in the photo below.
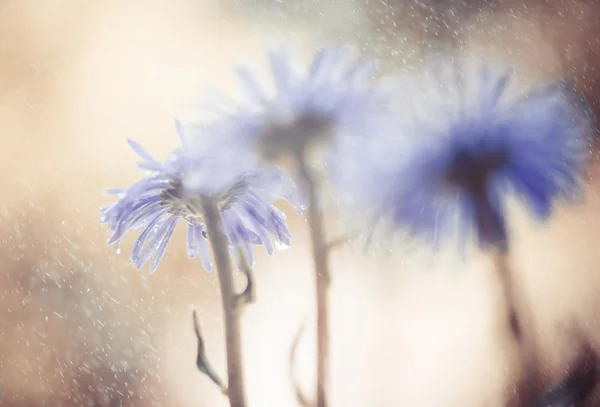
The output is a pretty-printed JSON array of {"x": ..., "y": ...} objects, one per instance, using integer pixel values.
[
  {"x": 181, "y": 203},
  {"x": 471, "y": 171},
  {"x": 293, "y": 135}
]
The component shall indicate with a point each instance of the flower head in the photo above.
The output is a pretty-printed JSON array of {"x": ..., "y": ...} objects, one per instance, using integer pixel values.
[
  {"x": 452, "y": 169},
  {"x": 334, "y": 97},
  {"x": 174, "y": 191}
]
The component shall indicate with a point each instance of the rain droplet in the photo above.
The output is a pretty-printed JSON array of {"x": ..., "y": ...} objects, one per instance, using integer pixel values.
[{"x": 281, "y": 246}]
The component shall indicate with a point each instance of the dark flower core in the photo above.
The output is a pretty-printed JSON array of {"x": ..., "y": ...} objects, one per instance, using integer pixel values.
[
  {"x": 471, "y": 174},
  {"x": 294, "y": 137}
]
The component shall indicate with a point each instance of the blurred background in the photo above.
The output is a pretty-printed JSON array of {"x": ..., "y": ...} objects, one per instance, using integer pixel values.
[{"x": 79, "y": 326}]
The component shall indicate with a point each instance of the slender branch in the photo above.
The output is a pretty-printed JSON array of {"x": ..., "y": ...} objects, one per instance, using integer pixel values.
[
  {"x": 300, "y": 397},
  {"x": 500, "y": 258},
  {"x": 322, "y": 277},
  {"x": 231, "y": 307},
  {"x": 524, "y": 394},
  {"x": 530, "y": 383},
  {"x": 202, "y": 360},
  {"x": 339, "y": 241}
]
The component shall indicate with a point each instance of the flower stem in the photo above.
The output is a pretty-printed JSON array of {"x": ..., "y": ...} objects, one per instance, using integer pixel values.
[
  {"x": 501, "y": 259},
  {"x": 529, "y": 385},
  {"x": 231, "y": 307},
  {"x": 578, "y": 384},
  {"x": 322, "y": 277}
]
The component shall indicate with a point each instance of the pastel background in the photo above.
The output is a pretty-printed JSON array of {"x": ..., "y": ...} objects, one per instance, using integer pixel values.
[{"x": 80, "y": 327}]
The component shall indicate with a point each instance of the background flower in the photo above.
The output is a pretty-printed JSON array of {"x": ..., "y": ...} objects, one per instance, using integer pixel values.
[
  {"x": 335, "y": 96},
  {"x": 453, "y": 160},
  {"x": 62, "y": 71}
]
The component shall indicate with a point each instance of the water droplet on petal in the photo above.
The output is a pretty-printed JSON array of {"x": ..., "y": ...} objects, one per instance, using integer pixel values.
[{"x": 281, "y": 246}]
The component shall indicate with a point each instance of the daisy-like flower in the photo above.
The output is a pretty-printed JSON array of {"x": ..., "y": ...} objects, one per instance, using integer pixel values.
[
  {"x": 302, "y": 118},
  {"x": 173, "y": 191},
  {"x": 336, "y": 96},
  {"x": 460, "y": 150}
]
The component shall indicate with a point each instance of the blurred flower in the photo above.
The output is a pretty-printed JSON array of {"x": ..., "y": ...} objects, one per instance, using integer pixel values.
[
  {"x": 335, "y": 97},
  {"x": 174, "y": 190},
  {"x": 450, "y": 169}
]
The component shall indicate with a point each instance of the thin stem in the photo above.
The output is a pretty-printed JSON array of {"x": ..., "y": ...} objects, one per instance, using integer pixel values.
[
  {"x": 322, "y": 278},
  {"x": 202, "y": 359},
  {"x": 231, "y": 307},
  {"x": 300, "y": 397},
  {"x": 501, "y": 259},
  {"x": 530, "y": 384}
]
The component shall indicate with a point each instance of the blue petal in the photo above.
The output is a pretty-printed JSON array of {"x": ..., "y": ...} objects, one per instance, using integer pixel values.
[
  {"x": 280, "y": 68},
  {"x": 251, "y": 86},
  {"x": 238, "y": 236},
  {"x": 180, "y": 133},
  {"x": 534, "y": 147},
  {"x": 141, "y": 239},
  {"x": 154, "y": 240},
  {"x": 202, "y": 249},
  {"x": 160, "y": 251},
  {"x": 257, "y": 227},
  {"x": 149, "y": 161}
]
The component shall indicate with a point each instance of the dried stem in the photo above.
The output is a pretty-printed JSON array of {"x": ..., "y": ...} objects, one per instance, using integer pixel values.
[
  {"x": 322, "y": 277},
  {"x": 202, "y": 360},
  {"x": 231, "y": 307}
]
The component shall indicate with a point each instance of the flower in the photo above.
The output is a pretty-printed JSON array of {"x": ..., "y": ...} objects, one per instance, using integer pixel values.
[
  {"x": 335, "y": 97},
  {"x": 450, "y": 169},
  {"x": 174, "y": 190}
]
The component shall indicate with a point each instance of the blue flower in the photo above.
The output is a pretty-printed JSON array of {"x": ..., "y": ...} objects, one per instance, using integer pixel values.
[
  {"x": 173, "y": 190},
  {"x": 457, "y": 153},
  {"x": 335, "y": 97}
]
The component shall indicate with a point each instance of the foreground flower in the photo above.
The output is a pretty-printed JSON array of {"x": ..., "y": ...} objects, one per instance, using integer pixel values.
[
  {"x": 451, "y": 170},
  {"x": 174, "y": 190},
  {"x": 335, "y": 97}
]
